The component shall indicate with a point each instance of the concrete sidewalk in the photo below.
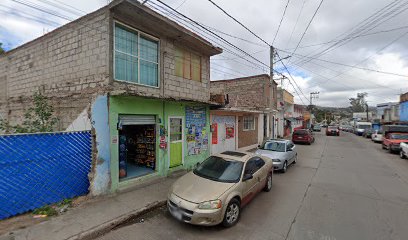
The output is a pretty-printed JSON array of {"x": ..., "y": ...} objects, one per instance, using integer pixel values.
[{"x": 98, "y": 215}]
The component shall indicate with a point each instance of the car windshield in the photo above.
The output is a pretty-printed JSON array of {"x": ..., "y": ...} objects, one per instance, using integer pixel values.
[
  {"x": 363, "y": 126},
  {"x": 220, "y": 169},
  {"x": 274, "y": 146},
  {"x": 399, "y": 136}
]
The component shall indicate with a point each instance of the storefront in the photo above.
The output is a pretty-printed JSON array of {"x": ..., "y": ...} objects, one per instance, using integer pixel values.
[{"x": 154, "y": 137}]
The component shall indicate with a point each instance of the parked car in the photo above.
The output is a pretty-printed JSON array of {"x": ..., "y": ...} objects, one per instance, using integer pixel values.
[
  {"x": 282, "y": 152},
  {"x": 404, "y": 150},
  {"x": 368, "y": 132},
  {"x": 317, "y": 128},
  {"x": 377, "y": 136},
  {"x": 332, "y": 131},
  {"x": 393, "y": 136},
  {"x": 303, "y": 136},
  {"x": 219, "y": 187}
]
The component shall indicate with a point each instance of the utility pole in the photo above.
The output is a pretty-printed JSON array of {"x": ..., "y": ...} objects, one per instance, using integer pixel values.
[
  {"x": 272, "y": 116},
  {"x": 367, "y": 111}
]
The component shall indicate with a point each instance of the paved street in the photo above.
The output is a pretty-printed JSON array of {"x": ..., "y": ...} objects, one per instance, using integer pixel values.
[{"x": 342, "y": 188}]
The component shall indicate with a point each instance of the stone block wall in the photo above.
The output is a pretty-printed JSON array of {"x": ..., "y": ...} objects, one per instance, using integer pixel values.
[
  {"x": 68, "y": 65},
  {"x": 255, "y": 92}
]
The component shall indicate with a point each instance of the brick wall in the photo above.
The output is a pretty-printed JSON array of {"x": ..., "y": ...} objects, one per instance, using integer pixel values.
[
  {"x": 247, "y": 138},
  {"x": 74, "y": 63},
  {"x": 251, "y": 92},
  {"x": 68, "y": 65}
]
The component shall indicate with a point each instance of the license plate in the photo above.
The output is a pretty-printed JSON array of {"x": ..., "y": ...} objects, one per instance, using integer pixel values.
[
  {"x": 300, "y": 137},
  {"x": 177, "y": 214}
]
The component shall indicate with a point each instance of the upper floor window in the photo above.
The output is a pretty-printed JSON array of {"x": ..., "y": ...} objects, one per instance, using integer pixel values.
[
  {"x": 188, "y": 65},
  {"x": 136, "y": 57},
  {"x": 249, "y": 123}
]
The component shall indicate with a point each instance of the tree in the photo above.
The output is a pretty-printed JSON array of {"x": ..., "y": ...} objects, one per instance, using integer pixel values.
[
  {"x": 1, "y": 48},
  {"x": 358, "y": 104},
  {"x": 38, "y": 118}
]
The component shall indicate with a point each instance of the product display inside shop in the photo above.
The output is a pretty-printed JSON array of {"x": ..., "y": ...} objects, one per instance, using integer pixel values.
[{"x": 137, "y": 151}]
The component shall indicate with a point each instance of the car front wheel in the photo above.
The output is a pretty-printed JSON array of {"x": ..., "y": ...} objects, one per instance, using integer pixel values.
[
  {"x": 285, "y": 167},
  {"x": 268, "y": 185},
  {"x": 232, "y": 213},
  {"x": 402, "y": 156}
]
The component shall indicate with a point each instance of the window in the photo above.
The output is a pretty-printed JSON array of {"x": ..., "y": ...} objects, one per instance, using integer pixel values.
[
  {"x": 188, "y": 65},
  {"x": 249, "y": 123},
  {"x": 136, "y": 57}
]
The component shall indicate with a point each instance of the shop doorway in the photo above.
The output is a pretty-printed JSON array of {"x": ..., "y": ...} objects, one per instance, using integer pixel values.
[
  {"x": 176, "y": 141},
  {"x": 225, "y": 134},
  {"x": 137, "y": 148}
]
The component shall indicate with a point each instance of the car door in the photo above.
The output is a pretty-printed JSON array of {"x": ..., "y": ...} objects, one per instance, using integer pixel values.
[
  {"x": 250, "y": 186},
  {"x": 261, "y": 172}
]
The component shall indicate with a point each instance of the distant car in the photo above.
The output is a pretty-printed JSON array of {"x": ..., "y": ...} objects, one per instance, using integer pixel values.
[
  {"x": 282, "y": 152},
  {"x": 404, "y": 150},
  {"x": 377, "y": 136},
  {"x": 219, "y": 187},
  {"x": 392, "y": 141},
  {"x": 317, "y": 128},
  {"x": 368, "y": 132},
  {"x": 303, "y": 136},
  {"x": 332, "y": 131}
]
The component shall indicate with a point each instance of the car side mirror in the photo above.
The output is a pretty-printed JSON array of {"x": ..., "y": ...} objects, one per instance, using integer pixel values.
[
  {"x": 259, "y": 146},
  {"x": 247, "y": 176},
  {"x": 289, "y": 149}
]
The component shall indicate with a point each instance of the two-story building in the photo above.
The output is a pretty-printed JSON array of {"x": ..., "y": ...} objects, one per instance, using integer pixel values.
[
  {"x": 138, "y": 80},
  {"x": 286, "y": 113},
  {"x": 248, "y": 113}
]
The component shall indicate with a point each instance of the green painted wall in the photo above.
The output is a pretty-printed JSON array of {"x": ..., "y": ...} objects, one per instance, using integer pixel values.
[{"x": 162, "y": 110}]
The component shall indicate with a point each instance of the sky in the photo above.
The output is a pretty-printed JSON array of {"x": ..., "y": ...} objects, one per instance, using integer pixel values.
[{"x": 367, "y": 49}]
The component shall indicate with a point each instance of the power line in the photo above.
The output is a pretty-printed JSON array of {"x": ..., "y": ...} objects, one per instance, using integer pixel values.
[
  {"x": 249, "y": 30},
  {"x": 283, "y": 15},
  {"x": 364, "y": 26},
  {"x": 361, "y": 35},
  {"x": 290, "y": 75},
  {"x": 346, "y": 65},
  {"x": 297, "y": 20},
  {"x": 307, "y": 27}
]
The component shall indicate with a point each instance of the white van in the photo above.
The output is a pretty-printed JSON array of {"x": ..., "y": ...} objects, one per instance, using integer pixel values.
[{"x": 361, "y": 126}]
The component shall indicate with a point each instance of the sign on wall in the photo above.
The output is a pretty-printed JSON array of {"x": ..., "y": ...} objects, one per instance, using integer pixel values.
[
  {"x": 197, "y": 137},
  {"x": 214, "y": 130}
]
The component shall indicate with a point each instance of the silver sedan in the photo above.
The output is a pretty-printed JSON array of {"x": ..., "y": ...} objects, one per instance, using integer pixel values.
[{"x": 282, "y": 152}]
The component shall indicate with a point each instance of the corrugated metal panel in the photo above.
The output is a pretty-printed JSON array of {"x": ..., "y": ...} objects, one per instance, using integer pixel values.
[{"x": 136, "y": 119}]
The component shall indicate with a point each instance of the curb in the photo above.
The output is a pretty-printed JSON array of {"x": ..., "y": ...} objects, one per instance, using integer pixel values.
[{"x": 111, "y": 224}]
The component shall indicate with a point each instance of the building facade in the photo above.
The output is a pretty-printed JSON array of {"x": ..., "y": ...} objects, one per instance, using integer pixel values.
[
  {"x": 403, "y": 107},
  {"x": 248, "y": 113},
  {"x": 286, "y": 110},
  {"x": 138, "y": 80}
]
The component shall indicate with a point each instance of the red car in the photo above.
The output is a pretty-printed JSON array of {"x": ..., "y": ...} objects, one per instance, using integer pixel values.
[
  {"x": 393, "y": 136},
  {"x": 303, "y": 136},
  {"x": 392, "y": 141},
  {"x": 332, "y": 131}
]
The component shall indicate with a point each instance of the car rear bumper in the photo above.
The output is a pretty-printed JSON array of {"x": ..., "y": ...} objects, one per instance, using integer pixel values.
[
  {"x": 188, "y": 212},
  {"x": 300, "y": 140}
]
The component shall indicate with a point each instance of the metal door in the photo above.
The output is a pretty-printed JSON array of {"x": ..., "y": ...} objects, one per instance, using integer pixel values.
[{"x": 176, "y": 141}]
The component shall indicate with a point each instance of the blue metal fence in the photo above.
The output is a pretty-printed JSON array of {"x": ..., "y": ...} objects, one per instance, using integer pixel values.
[{"x": 39, "y": 169}]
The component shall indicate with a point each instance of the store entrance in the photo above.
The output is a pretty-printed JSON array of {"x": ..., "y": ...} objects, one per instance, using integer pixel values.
[{"x": 137, "y": 151}]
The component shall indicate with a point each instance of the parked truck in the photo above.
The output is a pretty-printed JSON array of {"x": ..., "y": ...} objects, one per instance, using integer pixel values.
[
  {"x": 404, "y": 150},
  {"x": 360, "y": 127},
  {"x": 393, "y": 136}
]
